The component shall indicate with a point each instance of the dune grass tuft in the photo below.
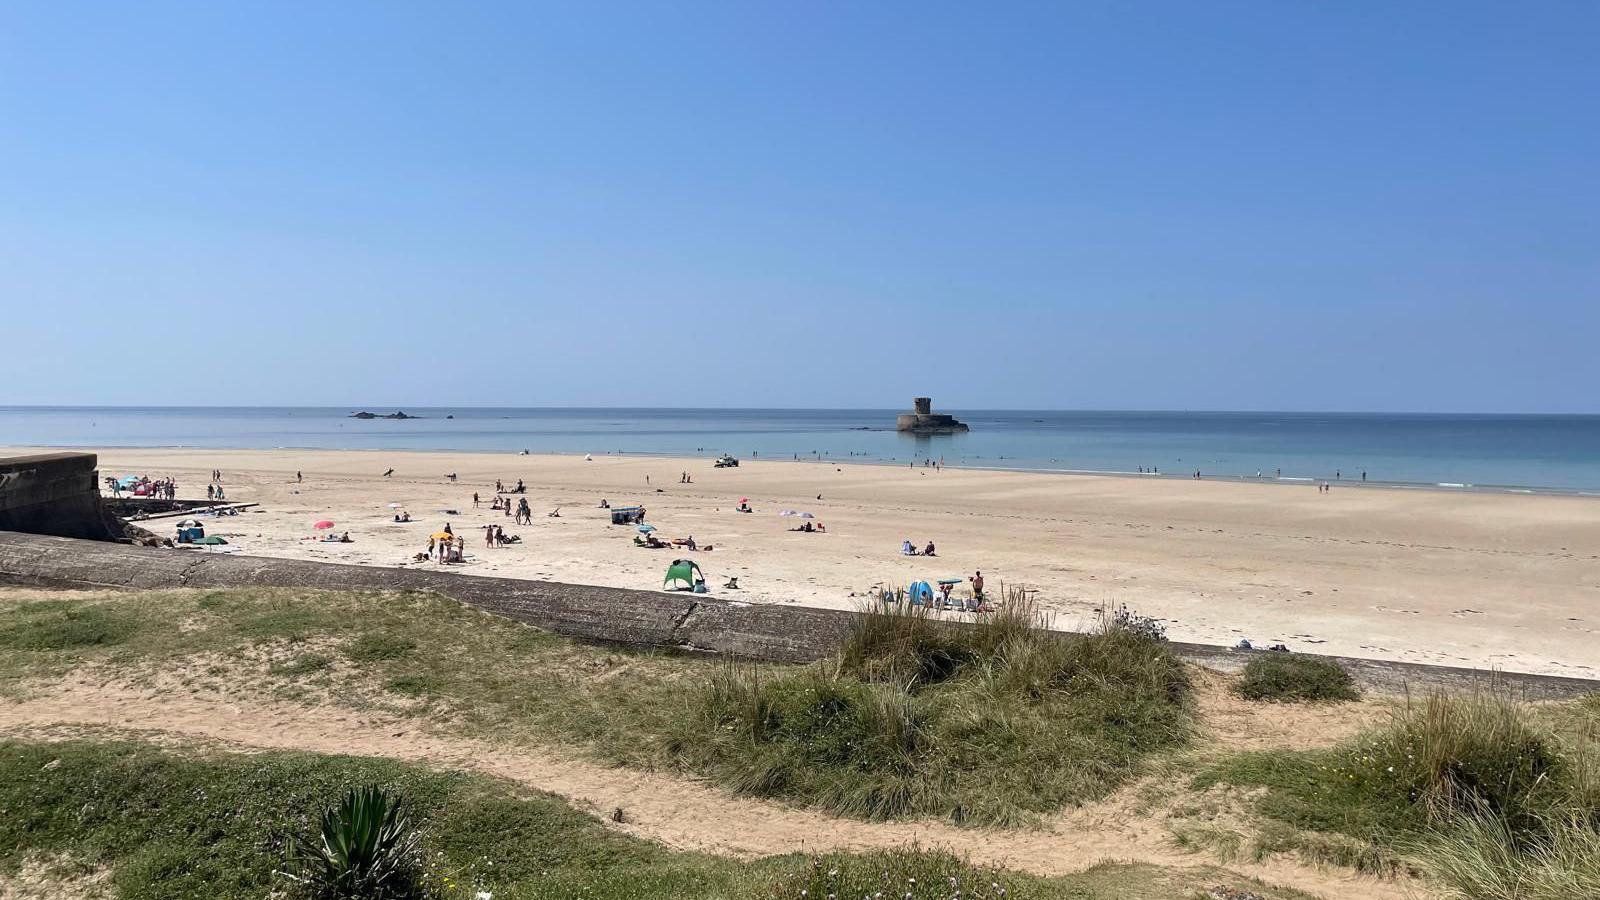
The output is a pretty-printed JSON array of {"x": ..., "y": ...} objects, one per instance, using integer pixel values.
[
  {"x": 1286, "y": 678},
  {"x": 992, "y": 724},
  {"x": 1472, "y": 788}
]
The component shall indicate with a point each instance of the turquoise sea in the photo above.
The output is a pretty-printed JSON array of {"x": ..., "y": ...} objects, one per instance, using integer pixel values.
[{"x": 1548, "y": 452}]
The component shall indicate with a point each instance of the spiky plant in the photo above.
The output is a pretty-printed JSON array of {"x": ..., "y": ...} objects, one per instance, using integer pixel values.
[{"x": 367, "y": 850}]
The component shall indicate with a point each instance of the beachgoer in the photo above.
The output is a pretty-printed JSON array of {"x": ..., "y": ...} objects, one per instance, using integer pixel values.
[
  {"x": 211, "y": 492},
  {"x": 906, "y": 549},
  {"x": 474, "y": 499},
  {"x": 388, "y": 473},
  {"x": 447, "y": 528},
  {"x": 928, "y": 550},
  {"x": 298, "y": 477},
  {"x": 977, "y": 585}
]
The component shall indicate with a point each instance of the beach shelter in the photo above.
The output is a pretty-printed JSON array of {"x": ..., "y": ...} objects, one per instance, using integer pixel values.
[
  {"x": 323, "y": 525},
  {"x": 919, "y": 593},
  {"x": 210, "y": 541},
  {"x": 646, "y": 529},
  {"x": 127, "y": 481},
  {"x": 683, "y": 570},
  {"x": 442, "y": 536}
]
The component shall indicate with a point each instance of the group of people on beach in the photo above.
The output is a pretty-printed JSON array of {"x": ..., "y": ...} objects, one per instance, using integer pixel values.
[
  {"x": 157, "y": 488},
  {"x": 520, "y": 510},
  {"x": 446, "y": 547},
  {"x": 495, "y": 536}
]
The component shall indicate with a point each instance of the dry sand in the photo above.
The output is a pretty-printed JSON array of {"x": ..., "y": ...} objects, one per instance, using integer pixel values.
[{"x": 1488, "y": 580}]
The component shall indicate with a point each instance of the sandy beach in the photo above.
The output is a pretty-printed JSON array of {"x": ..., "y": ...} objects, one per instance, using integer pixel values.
[{"x": 1508, "y": 581}]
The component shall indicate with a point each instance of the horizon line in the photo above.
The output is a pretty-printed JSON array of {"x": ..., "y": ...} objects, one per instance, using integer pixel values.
[{"x": 964, "y": 409}]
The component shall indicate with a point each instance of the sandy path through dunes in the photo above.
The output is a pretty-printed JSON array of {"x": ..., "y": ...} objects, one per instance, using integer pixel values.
[
  {"x": 674, "y": 811},
  {"x": 1509, "y": 581}
]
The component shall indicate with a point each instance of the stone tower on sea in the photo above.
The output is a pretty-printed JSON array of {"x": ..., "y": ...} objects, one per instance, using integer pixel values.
[{"x": 923, "y": 420}]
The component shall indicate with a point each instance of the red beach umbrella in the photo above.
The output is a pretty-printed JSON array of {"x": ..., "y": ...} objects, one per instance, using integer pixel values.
[{"x": 323, "y": 525}]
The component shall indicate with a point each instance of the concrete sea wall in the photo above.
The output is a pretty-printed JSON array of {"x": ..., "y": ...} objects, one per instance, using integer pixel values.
[
  {"x": 698, "y": 622},
  {"x": 54, "y": 493}
]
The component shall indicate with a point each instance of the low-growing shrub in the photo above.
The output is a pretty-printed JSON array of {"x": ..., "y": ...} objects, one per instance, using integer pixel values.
[{"x": 1295, "y": 679}]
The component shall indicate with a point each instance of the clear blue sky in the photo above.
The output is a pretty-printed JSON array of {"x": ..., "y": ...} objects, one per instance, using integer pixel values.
[{"x": 1279, "y": 205}]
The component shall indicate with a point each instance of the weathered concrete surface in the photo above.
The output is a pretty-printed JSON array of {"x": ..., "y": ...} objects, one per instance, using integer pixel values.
[
  {"x": 54, "y": 493},
  {"x": 611, "y": 615}
]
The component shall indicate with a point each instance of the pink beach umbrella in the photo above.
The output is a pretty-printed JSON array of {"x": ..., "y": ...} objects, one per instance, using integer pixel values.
[{"x": 323, "y": 525}]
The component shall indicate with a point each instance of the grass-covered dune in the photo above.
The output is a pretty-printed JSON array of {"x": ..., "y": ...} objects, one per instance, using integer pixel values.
[
  {"x": 1492, "y": 798},
  {"x": 996, "y": 724},
  {"x": 992, "y": 725},
  {"x": 140, "y": 823},
  {"x": 1477, "y": 797}
]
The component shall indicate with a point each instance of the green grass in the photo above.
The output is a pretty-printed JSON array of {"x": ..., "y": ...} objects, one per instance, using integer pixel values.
[
  {"x": 301, "y": 665},
  {"x": 995, "y": 725},
  {"x": 1470, "y": 787},
  {"x": 410, "y": 654},
  {"x": 377, "y": 646},
  {"x": 998, "y": 724},
  {"x": 208, "y": 826},
  {"x": 1479, "y": 857},
  {"x": 1285, "y": 678}
]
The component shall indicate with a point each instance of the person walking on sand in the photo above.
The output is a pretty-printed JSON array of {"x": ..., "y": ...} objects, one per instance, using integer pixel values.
[
  {"x": 388, "y": 473},
  {"x": 474, "y": 499},
  {"x": 298, "y": 478},
  {"x": 977, "y": 585}
]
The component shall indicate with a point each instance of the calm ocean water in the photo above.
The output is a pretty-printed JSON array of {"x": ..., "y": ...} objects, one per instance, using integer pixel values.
[{"x": 1533, "y": 451}]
